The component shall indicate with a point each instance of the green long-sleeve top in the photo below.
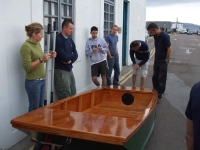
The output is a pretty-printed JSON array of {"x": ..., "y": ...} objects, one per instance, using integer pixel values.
[{"x": 31, "y": 52}]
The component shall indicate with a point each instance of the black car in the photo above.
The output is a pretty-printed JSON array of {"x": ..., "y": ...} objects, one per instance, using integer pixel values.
[{"x": 189, "y": 32}]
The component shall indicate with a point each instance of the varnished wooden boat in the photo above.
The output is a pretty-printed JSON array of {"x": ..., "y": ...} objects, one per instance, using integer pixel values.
[{"x": 97, "y": 115}]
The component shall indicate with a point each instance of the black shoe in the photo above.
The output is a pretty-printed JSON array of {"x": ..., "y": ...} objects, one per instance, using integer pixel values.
[{"x": 159, "y": 96}]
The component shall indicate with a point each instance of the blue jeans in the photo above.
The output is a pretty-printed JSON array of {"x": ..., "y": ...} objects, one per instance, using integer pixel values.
[
  {"x": 35, "y": 91},
  {"x": 113, "y": 63}
]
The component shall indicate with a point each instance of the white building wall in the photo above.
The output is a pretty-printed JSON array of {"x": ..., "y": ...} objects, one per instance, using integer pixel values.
[
  {"x": 119, "y": 22},
  {"x": 173, "y": 25},
  {"x": 14, "y": 15},
  {"x": 178, "y": 26},
  {"x": 137, "y": 23},
  {"x": 87, "y": 14}
]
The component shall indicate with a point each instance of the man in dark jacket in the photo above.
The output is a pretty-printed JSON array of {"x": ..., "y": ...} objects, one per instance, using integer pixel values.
[
  {"x": 139, "y": 53},
  {"x": 193, "y": 119},
  {"x": 66, "y": 55}
]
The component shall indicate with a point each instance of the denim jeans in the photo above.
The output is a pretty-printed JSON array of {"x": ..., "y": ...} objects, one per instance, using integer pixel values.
[
  {"x": 35, "y": 91},
  {"x": 113, "y": 63}
]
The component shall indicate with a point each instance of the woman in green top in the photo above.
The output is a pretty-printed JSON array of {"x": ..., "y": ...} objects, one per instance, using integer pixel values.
[{"x": 33, "y": 60}]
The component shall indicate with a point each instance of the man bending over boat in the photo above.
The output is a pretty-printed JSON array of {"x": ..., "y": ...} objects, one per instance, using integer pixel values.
[
  {"x": 139, "y": 53},
  {"x": 97, "y": 49}
]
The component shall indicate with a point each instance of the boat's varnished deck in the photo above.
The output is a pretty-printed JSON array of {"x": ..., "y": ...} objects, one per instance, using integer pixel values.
[
  {"x": 98, "y": 115},
  {"x": 115, "y": 109}
]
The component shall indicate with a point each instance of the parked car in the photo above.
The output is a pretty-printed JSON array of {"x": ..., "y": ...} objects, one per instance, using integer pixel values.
[
  {"x": 190, "y": 32},
  {"x": 199, "y": 32},
  {"x": 183, "y": 31},
  {"x": 168, "y": 30},
  {"x": 193, "y": 31}
]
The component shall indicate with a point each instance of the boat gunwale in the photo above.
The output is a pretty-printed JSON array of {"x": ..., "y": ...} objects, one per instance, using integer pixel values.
[{"x": 106, "y": 138}]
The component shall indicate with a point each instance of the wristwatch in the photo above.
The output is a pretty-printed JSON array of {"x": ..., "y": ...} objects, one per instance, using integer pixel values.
[{"x": 41, "y": 61}]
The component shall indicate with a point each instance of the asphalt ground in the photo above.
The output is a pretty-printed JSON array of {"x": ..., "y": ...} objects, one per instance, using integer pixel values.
[{"x": 183, "y": 72}]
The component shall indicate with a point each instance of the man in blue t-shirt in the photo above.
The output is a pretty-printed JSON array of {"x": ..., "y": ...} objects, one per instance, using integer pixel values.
[
  {"x": 193, "y": 119},
  {"x": 113, "y": 56},
  {"x": 139, "y": 53},
  {"x": 162, "y": 56}
]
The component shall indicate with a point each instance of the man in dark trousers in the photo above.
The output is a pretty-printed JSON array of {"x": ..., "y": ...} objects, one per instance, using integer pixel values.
[
  {"x": 113, "y": 56},
  {"x": 162, "y": 56},
  {"x": 139, "y": 53},
  {"x": 66, "y": 55}
]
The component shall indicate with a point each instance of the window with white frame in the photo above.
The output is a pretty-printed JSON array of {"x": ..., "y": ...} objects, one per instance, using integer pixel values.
[
  {"x": 108, "y": 15},
  {"x": 56, "y": 11}
]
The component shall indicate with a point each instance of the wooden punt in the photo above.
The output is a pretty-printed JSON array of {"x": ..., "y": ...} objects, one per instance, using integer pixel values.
[{"x": 97, "y": 115}]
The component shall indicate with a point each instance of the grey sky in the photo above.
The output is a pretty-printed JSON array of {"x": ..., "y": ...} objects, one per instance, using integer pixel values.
[
  {"x": 152, "y": 3},
  {"x": 166, "y": 10}
]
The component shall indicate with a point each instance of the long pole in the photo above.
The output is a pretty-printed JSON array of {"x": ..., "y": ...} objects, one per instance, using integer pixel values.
[
  {"x": 53, "y": 62},
  {"x": 47, "y": 64}
]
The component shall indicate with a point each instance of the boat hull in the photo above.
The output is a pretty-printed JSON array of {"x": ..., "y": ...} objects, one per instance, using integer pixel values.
[
  {"x": 97, "y": 117},
  {"x": 141, "y": 137},
  {"x": 137, "y": 142}
]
